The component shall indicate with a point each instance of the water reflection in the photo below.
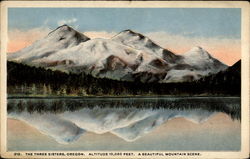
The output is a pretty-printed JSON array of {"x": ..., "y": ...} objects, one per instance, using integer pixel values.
[{"x": 66, "y": 119}]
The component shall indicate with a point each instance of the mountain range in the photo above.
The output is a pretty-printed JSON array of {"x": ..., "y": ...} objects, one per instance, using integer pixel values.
[{"x": 128, "y": 56}]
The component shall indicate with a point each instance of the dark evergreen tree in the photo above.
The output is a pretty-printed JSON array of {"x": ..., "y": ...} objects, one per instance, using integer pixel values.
[{"x": 26, "y": 80}]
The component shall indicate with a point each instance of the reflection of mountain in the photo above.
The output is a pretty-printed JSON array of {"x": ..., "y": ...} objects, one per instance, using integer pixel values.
[
  {"x": 66, "y": 119},
  {"x": 128, "y": 56},
  {"x": 128, "y": 124},
  {"x": 63, "y": 131}
]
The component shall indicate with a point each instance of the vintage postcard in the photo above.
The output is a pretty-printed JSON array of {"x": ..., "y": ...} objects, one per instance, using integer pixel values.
[{"x": 124, "y": 79}]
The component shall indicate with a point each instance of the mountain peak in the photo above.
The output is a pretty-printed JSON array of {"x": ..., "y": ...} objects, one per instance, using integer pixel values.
[
  {"x": 129, "y": 33},
  {"x": 200, "y": 58},
  {"x": 127, "y": 30},
  {"x": 197, "y": 51},
  {"x": 62, "y": 28},
  {"x": 61, "y": 38},
  {"x": 140, "y": 42},
  {"x": 136, "y": 40},
  {"x": 67, "y": 32},
  {"x": 197, "y": 48}
]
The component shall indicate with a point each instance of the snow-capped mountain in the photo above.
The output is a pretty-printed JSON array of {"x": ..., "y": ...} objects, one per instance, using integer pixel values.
[
  {"x": 203, "y": 60},
  {"x": 197, "y": 63},
  {"x": 143, "y": 43},
  {"x": 61, "y": 38},
  {"x": 128, "y": 56}
]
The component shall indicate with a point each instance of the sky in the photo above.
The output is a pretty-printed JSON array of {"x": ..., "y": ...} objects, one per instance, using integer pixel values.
[{"x": 218, "y": 30}]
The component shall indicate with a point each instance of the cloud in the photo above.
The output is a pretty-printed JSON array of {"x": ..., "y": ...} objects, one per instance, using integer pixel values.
[{"x": 67, "y": 21}]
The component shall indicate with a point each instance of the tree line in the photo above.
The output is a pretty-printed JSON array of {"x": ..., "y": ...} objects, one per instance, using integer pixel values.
[{"x": 29, "y": 80}]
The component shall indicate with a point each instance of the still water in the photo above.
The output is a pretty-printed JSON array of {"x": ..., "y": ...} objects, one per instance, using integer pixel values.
[{"x": 139, "y": 123}]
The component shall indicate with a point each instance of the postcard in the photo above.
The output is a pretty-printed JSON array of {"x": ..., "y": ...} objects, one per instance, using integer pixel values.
[{"x": 128, "y": 79}]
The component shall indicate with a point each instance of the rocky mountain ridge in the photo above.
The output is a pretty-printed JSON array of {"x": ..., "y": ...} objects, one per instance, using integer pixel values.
[{"x": 128, "y": 56}]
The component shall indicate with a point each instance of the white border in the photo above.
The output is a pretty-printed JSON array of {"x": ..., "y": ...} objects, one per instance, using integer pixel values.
[{"x": 137, "y": 4}]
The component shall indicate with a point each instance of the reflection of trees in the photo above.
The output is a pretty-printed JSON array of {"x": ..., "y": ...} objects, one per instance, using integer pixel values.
[
  {"x": 230, "y": 106},
  {"x": 20, "y": 106}
]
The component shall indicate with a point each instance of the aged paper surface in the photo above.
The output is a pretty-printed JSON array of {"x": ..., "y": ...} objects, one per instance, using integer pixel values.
[{"x": 124, "y": 79}]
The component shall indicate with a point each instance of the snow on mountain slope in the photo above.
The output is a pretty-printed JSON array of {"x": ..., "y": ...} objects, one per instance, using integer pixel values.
[
  {"x": 102, "y": 58},
  {"x": 61, "y": 38},
  {"x": 201, "y": 59},
  {"x": 127, "y": 123},
  {"x": 128, "y": 56},
  {"x": 141, "y": 42},
  {"x": 197, "y": 63},
  {"x": 191, "y": 66}
]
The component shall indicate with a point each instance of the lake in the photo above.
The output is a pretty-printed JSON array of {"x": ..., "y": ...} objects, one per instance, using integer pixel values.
[{"x": 124, "y": 123}]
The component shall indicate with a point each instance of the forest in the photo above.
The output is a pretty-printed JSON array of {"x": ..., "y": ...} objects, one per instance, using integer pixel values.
[{"x": 24, "y": 80}]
